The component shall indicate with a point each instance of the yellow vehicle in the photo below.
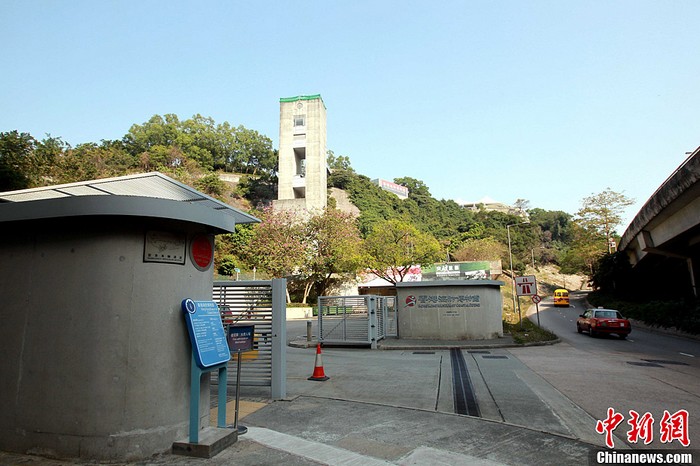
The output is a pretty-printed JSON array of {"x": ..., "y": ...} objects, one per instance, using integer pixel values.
[{"x": 561, "y": 297}]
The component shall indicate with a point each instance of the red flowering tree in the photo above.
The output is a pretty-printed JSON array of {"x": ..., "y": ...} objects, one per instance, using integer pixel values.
[
  {"x": 316, "y": 251},
  {"x": 278, "y": 244}
]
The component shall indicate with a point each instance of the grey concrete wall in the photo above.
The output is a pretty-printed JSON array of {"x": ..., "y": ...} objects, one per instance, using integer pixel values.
[
  {"x": 450, "y": 310},
  {"x": 96, "y": 355}
]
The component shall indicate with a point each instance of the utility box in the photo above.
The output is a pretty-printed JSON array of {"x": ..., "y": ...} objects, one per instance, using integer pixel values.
[{"x": 96, "y": 356}]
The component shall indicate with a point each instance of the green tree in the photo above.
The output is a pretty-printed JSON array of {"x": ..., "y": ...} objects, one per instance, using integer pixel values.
[
  {"x": 553, "y": 229},
  {"x": 396, "y": 245},
  {"x": 480, "y": 249},
  {"x": 226, "y": 265},
  {"x": 334, "y": 248},
  {"x": 338, "y": 162},
  {"x": 16, "y": 160},
  {"x": 212, "y": 185},
  {"x": 584, "y": 252},
  {"x": 602, "y": 213}
]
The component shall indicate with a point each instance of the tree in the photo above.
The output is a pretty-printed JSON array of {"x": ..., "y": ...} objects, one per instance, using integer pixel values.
[
  {"x": 338, "y": 162},
  {"x": 480, "y": 249},
  {"x": 334, "y": 247},
  {"x": 212, "y": 185},
  {"x": 201, "y": 140},
  {"x": 584, "y": 252},
  {"x": 16, "y": 160},
  {"x": 602, "y": 213},
  {"x": 277, "y": 245},
  {"x": 395, "y": 245},
  {"x": 520, "y": 207}
]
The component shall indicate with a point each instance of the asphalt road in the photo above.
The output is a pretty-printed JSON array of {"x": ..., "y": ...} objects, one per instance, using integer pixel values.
[{"x": 647, "y": 372}]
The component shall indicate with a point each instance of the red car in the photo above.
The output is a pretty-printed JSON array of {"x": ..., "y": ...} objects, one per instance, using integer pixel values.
[{"x": 600, "y": 321}]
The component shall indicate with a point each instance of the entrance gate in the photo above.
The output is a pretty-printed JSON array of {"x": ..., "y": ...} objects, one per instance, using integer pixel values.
[
  {"x": 355, "y": 320},
  {"x": 261, "y": 304}
]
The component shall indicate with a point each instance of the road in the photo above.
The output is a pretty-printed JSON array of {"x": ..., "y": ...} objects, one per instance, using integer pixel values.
[{"x": 647, "y": 372}]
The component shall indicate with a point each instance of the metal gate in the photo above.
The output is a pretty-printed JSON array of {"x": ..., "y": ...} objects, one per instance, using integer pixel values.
[
  {"x": 353, "y": 320},
  {"x": 263, "y": 305}
]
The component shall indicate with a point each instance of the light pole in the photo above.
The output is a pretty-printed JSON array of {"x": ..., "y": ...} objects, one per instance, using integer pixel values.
[{"x": 510, "y": 256}]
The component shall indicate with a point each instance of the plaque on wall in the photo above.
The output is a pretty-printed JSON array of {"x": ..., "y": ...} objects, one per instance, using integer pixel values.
[{"x": 164, "y": 247}]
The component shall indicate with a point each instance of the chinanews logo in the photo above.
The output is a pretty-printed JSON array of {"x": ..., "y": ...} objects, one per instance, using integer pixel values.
[{"x": 410, "y": 301}]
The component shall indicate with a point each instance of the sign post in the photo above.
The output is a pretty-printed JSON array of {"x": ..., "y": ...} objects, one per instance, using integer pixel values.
[
  {"x": 209, "y": 353},
  {"x": 240, "y": 338},
  {"x": 536, "y": 299},
  {"x": 525, "y": 286}
]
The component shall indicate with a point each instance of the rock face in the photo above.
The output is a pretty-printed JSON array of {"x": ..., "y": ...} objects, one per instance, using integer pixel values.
[{"x": 342, "y": 202}]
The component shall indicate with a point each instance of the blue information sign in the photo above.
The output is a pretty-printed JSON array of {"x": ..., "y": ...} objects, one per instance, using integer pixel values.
[{"x": 207, "y": 334}]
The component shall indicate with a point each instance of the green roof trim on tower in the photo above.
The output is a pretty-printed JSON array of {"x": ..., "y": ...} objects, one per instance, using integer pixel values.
[{"x": 302, "y": 97}]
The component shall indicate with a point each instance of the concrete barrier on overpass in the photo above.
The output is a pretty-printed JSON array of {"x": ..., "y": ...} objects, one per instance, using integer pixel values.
[{"x": 667, "y": 228}]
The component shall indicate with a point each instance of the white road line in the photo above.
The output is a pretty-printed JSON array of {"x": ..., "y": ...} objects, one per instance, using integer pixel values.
[{"x": 686, "y": 354}]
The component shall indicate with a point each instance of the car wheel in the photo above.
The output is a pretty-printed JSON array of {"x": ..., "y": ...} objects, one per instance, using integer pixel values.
[
  {"x": 591, "y": 333},
  {"x": 578, "y": 328}
]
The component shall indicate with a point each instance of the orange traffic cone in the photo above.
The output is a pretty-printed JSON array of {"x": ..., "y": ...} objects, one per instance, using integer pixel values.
[{"x": 318, "y": 367}]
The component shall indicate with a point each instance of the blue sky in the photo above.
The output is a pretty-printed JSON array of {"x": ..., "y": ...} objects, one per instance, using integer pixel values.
[{"x": 549, "y": 101}]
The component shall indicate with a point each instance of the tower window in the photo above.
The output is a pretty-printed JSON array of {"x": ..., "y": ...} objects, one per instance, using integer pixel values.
[{"x": 299, "y": 120}]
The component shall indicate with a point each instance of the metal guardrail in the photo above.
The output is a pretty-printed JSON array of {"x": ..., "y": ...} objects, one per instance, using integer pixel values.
[{"x": 263, "y": 305}]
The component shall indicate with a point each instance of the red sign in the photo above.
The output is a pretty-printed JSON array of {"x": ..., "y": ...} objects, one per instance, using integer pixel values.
[
  {"x": 536, "y": 299},
  {"x": 202, "y": 251}
]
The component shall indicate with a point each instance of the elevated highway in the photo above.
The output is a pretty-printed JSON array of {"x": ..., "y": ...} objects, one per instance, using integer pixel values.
[{"x": 663, "y": 241}]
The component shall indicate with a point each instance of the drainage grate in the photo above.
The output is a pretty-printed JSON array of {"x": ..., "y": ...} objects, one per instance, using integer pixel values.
[
  {"x": 424, "y": 352},
  {"x": 479, "y": 352},
  {"x": 494, "y": 356},
  {"x": 462, "y": 390},
  {"x": 664, "y": 361},
  {"x": 644, "y": 364}
]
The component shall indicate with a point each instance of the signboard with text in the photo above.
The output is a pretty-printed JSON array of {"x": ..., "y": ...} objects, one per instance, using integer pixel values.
[
  {"x": 206, "y": 333},
  {"x": 240, "y": 337}
]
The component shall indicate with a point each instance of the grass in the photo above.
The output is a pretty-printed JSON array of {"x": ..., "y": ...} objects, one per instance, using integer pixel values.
[{"x": 528, "y": 332}]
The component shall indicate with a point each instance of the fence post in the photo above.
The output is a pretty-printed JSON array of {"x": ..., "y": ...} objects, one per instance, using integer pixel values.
[
  {"x": 279, "y": 338},
  {"x": 372, "y": 311}
]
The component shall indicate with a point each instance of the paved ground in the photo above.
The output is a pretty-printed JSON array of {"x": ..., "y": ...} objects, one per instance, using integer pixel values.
[{"x": 395, "y": 407}]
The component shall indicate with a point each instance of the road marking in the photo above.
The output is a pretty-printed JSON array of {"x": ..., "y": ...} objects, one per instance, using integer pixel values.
[{"x": 686, "y": 354}]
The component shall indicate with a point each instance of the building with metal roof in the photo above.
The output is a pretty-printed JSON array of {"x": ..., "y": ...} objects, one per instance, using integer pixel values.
[{"x": 131, "y": 195}]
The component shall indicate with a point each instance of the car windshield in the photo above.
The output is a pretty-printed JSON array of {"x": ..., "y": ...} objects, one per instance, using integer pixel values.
[{"x": 608, "y": 314}]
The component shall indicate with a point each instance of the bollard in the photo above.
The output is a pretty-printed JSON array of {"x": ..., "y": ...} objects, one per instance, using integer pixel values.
[{"x": 308, "y": 330}]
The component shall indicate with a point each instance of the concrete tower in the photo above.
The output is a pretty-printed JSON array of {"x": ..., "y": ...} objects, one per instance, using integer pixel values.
[{"x": 302, "y": 154}]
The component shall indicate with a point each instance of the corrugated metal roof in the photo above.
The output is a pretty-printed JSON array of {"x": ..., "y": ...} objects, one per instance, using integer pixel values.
[{"x": 150, "y": 185}]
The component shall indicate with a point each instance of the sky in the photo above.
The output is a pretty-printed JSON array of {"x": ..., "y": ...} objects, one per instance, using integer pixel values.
[{"x": 547, "y": 101}]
